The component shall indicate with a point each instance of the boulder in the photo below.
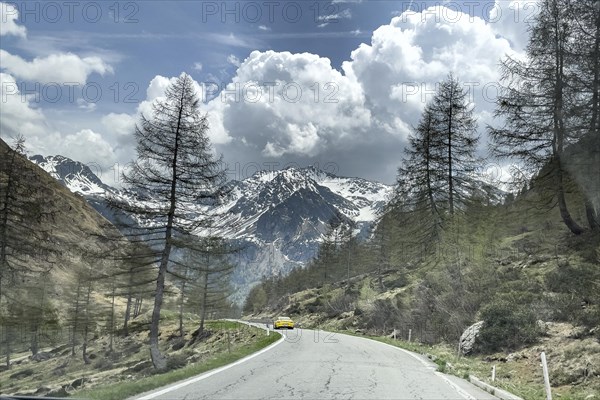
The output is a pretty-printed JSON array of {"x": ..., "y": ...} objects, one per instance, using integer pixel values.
[
  {"x": 41, "y": 356},
  {"x": 77, "y": 383},
  {"x": 469, "y": 337}
]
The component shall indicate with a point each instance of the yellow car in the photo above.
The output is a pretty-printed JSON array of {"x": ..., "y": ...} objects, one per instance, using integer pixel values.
[{"x": 283, "y": 322}]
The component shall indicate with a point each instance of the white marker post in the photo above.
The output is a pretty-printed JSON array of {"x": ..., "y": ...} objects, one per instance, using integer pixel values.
[
  {"x": 494, "y": 373},
  {"x": 546, "y": 376},
  {"x": 409, "y": 334}
]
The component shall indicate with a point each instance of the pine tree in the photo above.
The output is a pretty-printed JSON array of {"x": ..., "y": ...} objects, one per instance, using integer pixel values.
[
  {"x": 538, "y": 103},
  {"x": 584, "y": 55},
  {"x": 420, "y": 177},
  {"x": 456, "y": 139},
  {"x": 175, "y": 168},
  {"x": 439, "y": 168}
]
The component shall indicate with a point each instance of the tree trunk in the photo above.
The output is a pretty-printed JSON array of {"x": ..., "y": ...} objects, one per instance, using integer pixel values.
[
  {"x": 450, "y": 172},
  {"x": 112, "y": 319},
  {"x": 8, "y": 349},
  {"x": 76, "y": 318},
  {"x": 127, "y": 312},
  {"x": 562, "y": 205},
  {"x": 181, "y": 308},
  {"x": 591, "y": 215},
  {"x": 138, "y": 304},
  {"x": 158, "y": 359},
  {"x": 559, "y": 130},
  {"x": 204, "y": 300},
  {"x": 86, "y": 325},
  {"x": 34, "y": 344},
  {"x": 590, "y": 212}
]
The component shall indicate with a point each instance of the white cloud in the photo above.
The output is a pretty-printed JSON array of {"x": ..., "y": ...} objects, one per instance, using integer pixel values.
[
  {"x": 62, "y": 68},
  {"x": 333, "y": 18},
  {"x": 19, "y": 114},
  {"x": 198, "y": 66},
  {"x": 300, "y": 139},
  {"x": 299, "y": 108},
  {"x": 399, "y": 70},
  {"x": 85, "y": 105},
  {"x": 87, "y": 146},
  {"x": 9, "y": 15},
  {"x": 233, "y": 60},
  {"x": 379, "y": 95},
  {"x": 264, "y": 28},
  {"x": 120, "y": 124},
  {"x": 510, "y": 20},
  {"x": 289, "y": 104}
]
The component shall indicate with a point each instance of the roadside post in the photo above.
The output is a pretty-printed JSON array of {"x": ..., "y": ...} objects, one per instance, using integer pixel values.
[
  {"x": 546, "y": 376},
  {"x": 409, "y": 334},
  {"x": 494, "y": 373}
]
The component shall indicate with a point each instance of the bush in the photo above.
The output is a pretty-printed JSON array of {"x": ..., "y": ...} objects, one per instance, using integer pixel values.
[
  {"x": 507, "y": 325},
  {"x": 176, "y": 361},
  {"x": 340, "y": 304},
  {"x": 103, "y": 364}
]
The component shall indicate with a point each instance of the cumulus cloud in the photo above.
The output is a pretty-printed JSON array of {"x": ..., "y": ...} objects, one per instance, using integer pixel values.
[
  {"x": 288, "y": 107},
  {"x": 19, "y": 114},
  {"x": 119, "y": 124},
  {"x": 399, "y": 70},
  {"x": 366, "y": 111},
  {"x": 63, "y": 68},
  {"x": 9, "y": 15},
  {"x": 88, "y": 146},
  {"x": 281, "y": 103}
]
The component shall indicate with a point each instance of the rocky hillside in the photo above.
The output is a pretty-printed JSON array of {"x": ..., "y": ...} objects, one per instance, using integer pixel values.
[
  {"x": 73, "y": 222},
  {"x": 53, "y": 237}
]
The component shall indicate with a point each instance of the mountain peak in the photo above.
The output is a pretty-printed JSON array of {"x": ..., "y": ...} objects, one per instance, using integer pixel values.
[{"x": 76, "y": 176}]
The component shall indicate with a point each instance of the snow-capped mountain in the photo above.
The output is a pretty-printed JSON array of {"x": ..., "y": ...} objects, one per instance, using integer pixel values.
[
  {"x": 278, "y": 217},
  {"x": 76, "y": 176}
]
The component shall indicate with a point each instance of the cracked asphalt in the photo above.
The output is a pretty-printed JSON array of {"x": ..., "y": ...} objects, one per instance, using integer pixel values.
[{"x": 319, "y": 365}]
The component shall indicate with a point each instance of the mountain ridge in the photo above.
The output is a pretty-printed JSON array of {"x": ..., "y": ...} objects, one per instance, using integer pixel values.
[{"x": 279, "y": 217}]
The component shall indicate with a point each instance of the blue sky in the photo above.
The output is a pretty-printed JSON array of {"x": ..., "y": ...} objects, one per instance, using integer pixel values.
[{"x": 76, "y": 75}]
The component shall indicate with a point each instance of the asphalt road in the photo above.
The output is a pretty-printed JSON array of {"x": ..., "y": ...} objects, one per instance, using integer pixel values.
[{"x": 319, "y": 365}]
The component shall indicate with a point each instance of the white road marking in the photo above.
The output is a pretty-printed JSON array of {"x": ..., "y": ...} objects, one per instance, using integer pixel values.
[
  {"x": 410, "y": 353},
  {"x": 458, "y": 389}
]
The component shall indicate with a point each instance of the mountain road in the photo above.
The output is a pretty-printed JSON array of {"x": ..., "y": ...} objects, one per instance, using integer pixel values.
[{"x": 311, "y": 364}]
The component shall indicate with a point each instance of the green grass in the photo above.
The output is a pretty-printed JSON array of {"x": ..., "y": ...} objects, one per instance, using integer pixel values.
[
  {"x": 510, "y": 378},
  {"x": 123, "y": 390}
]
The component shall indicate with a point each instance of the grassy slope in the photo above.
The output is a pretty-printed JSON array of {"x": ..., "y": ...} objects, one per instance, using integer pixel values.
[
  {"x": 502, "y": 250},
  {"x": 74, "y": 226},
  {"x": 127, "y": 371}
]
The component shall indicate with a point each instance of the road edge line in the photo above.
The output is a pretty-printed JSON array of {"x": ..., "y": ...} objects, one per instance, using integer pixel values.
[
  {"x": 429, "y": 365},
  {"x": 500, "y": 393},
  {"x": 454, "y": 386},
  {"x": 208, "y": 374}
]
